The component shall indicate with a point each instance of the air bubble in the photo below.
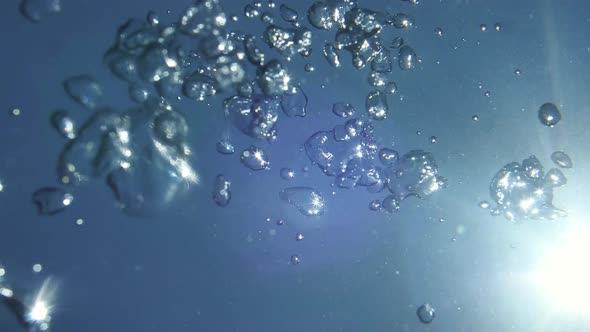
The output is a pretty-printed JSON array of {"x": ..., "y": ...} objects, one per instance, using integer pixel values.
[
  {"x": 438, "y": 32},
  {"x": 555, "y": 177},
  {"x": 84, "y": 90},
  {"x": 51, "y": 200},
  {"x": 299, "y": 237},
  {"x": 549, "y": 114},
  {"x": 295, "y": 260},
  {"x": 407, "y": 58},
  {"x": 63, "y": 124},
  {"x": 388, "y": 156},
  {"x": 36, "y": 10},
  {"x": 225, "y": 147},
  {"x": 376, "y": 105},
  {"x": 255, "y": 159},
  {"x": 288, "y": 14},
  {"x": 375, "y": 205},
  {"x": 37, "y": 268},
  {"x": 308, "y": 201},
  {"x": 390, "y": 204},
  {"x": 483, "y": 28},
  {"x": 221, "y": 190},
  {"x": 287, "y": 173},
  {"x": 426, "y": 313},
  {"x": 343, "y": 110},
  {"x": 561, "y": 159}
]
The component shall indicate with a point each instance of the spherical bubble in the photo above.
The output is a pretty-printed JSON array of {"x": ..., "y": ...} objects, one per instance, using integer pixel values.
[
  {"x": 152, "y": 18},
  {"x": 255, "y": 159},
  {"x": 390, "y": 88},
  {"x": 307, "y": 200},
  {"x": 497, "y": 27},
  {"x": 549, "y": 114},
  {"x": 426, "y": 313},
  {"x": 51, "y": 200},
  {"x": 390, "y": 204},
  {"x": 343, "y": 110},
  {"x": 299, "y": 237},
  {"x": 295, "y": 260},
  {"x": 251, "y": 11},
  {"x": 309, "y": 67},
  {"x": 475, "y": 118},
  {"x": 517, "y": 72},
  {"x": 221, "y": 190},
  {"x": 375, "y": 205},
  {"x": 483, "y": 28},
  {"x": 403, "y": 21},
  {"x": 561, "y": 159},
  {"x": 388, "y": 156},
  {"x": 37, "y": 268},
  {"x": 438, "y": 32},
  {"x": 487, "y": 94},
  {"x": 138, "y": 93},
  {"x": 322, "y": 16},
  {"x": 407, "y": 58},
  {"x": 376, "y": 105},
  {"x": 484, "y": 204},
  {"x": 433, "y": 139},
  {"x": 287, "y": 173}
]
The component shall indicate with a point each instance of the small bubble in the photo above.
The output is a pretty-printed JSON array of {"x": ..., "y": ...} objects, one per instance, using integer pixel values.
[
  {"x": 299, "y": 237},
  {"x": 309, "y": 67},
  {"x": 343, "y": 110},
  {"x": 375, "y": 205},
  {"x": 390, "y": 88},
  {"x": 475, "y": 118},
  {"x": 152, "y": 18},
  {"x": 438, "y": 32},
  {"x": 280, "y": 222},
  {"x": 257, "y": 4},
  {"x": 441, "y": 220},
  {"x": 483, "y": 28},
  {"x": 287, "y": 173},
  {"x": 426, "y": 313},
  {"x": 484, "y": 204},
  {"x": 561, "y": 159},
  {"x": 487, "y": 94},
  {"x": 79, "y": 221},
  {"x": 51, "y": 200},
  {"x": 37, "y": 268},
  {"x": 549, "y": 114},
  {"x": 433, "y": 139},
  {"x": 255, "y": 159},
  {"x": 517, "y": 72},
  {"x": 397, "y": 42},
  {"x": 497, "y": 26},
  {"x": 295, "y": 260},
  {"x": 419, "y": 133},
  {"x": 250, "y": 11},
  {"x": 15, "y": 111}
]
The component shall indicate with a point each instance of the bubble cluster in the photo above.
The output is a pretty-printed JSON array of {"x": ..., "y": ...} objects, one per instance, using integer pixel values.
[
  {"x": 350, "y": 154},
  {"x": 523, "y": 191}
]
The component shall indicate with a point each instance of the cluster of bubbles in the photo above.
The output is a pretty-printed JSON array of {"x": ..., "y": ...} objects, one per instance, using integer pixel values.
[
  {"x": 524, "y": 191},
  {"x": 358, "y": 32},
  {"x": 349, "y": 153}
]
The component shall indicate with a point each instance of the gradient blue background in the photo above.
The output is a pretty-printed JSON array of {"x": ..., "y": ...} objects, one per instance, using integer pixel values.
[{"x": 199, "y": 267}]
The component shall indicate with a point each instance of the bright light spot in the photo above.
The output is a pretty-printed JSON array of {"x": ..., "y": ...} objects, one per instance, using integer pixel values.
[
  {"x": 2, "y": 271},
  {"x": 39, "y": 311},
  {"x": 6, "y": 292},
  {"x": 67, "y": 199},
  {"x": 37, "y": 268},
  {"x": 565, "y": 273}
]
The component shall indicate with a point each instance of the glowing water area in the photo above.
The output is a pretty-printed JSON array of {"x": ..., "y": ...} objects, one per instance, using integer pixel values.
[{"x": 198, "y": 266}]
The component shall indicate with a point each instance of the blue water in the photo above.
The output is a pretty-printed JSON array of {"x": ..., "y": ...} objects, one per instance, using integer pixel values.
[{"x": 200, "y": 267}]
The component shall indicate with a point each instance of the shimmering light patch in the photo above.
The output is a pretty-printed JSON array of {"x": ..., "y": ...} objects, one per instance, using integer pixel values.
[
  {"x": 6, "y": 292},
  {"x": 40, "y": 309},
  {"x": 563, "y": 274}
]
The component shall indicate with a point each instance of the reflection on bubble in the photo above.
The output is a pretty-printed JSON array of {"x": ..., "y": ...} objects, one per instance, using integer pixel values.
[
  {"x": 294, "y": 103},
  {"x": 287, "y": 173},
  {"x": 415, "y": 174},
  {"x": 390, "y": 204},
  {"x": 225, "y": 147},
  {"x": 308, "y": 201},
  {"x": 343, "y": 109},
  {"x": 377, "y": 105}
]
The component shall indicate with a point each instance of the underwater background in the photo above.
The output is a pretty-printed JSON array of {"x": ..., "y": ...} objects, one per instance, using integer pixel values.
[{"x": 114, "y": 132}]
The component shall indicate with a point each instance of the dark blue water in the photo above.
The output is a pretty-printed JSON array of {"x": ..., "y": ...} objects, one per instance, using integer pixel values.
[{"x": 194, "y": 266}]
